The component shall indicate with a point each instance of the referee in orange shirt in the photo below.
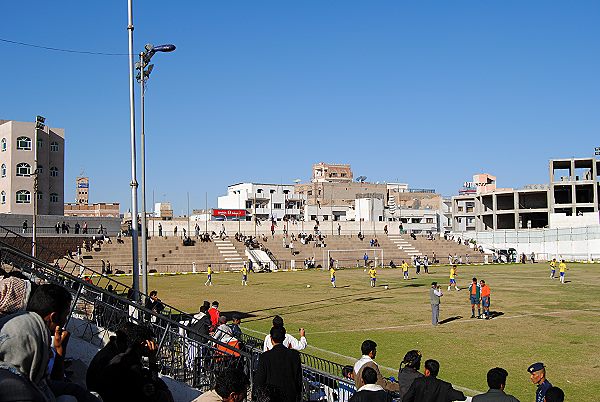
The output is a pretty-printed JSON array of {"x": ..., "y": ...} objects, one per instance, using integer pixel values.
[{"x": 485, "y": 299}]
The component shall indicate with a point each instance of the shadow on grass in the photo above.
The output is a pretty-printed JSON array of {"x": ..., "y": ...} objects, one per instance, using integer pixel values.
[
  {"x": 242, "y": 315},
  {"x": 494, "y": 314},
  {"x": 450, "y": 319},
  {"x": 414, "y": 285},
  {"x": 314, "y": 301},
  {"x": 371, "y": 298}
]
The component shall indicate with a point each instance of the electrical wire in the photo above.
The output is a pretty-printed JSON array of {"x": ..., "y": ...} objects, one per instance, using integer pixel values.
[{"x": 55, "y": 49}]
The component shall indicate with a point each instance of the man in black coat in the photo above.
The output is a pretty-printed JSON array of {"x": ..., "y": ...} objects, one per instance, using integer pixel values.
[
  {"x": 280, "y": 367},
  {"x": 431, "y": 389}
]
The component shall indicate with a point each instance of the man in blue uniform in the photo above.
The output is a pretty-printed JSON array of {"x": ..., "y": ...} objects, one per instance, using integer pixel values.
[{"x": 538, "y": 377}]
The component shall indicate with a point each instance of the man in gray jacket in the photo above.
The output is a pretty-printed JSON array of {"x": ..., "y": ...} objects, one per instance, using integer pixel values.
[
  {"x": 434, "y": 295},
  {"x": 496, "y": 379}
]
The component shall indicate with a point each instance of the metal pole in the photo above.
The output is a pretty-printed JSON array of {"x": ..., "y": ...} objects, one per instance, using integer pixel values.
[
  {"x": 254, "y": 214},
  {"x": 206, "y": 212},
  {"x": 144, "y": 269},
  {"x": 188, "y": 214},
  {"x": 35, "y": 192},
  {"x": 133, "y": 184}
]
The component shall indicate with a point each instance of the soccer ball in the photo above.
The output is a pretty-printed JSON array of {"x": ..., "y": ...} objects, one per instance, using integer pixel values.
[
  {"x": 307, "y": 286},
  {"x": 386, "y": 287}
]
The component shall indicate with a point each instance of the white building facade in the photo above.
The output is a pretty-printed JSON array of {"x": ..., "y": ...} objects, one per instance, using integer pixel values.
[{"x": 264, "y": 201}]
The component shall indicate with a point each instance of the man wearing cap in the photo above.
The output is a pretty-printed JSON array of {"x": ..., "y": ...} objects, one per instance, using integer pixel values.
[
  {"x": 434, "y": 296},
  {"x": 496, "y": 379},
  {"x": 538, "y": 377},
  {"x": 289, "y": 341}
]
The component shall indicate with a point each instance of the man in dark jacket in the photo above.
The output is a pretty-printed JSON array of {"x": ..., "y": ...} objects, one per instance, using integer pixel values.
[
  {"x": 370, "y": 392},
  {"x": 496, "y": 379},
  {"x": 430, "y": 388},
  {"x": 280, "y": 367}
]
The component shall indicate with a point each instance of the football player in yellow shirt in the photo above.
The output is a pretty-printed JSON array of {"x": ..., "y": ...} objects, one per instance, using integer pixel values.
[
  {"x": 552, "y": 268},
  {"x": 332, "y": 275},
  {"x": 453, "y": 278},
  {"x": 405, "y": 270},
  {"x": 209, "y": 276},
  {"x": 373, "y": 276},
  {"x": 244, "y": 275},
  {"x": 562, "y": 267}
]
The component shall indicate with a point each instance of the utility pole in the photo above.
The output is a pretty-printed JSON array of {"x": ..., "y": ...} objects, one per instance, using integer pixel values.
[{"x": 39, "y": 125}]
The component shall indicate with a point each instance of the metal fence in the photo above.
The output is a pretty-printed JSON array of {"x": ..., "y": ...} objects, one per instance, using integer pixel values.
[{"x": 102, "y": 304}]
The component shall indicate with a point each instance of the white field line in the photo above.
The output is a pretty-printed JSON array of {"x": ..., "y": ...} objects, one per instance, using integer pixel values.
[{"x": 457, "y": 322}]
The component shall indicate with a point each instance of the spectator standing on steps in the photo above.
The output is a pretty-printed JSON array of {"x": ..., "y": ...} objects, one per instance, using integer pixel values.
[
  {"x": 280, "y": 367},
  {"x": 409, "y": 370},
  {"x": 369, "y": 351},
  {"x": 289, "y": 341},
  {"x": 430, "y": 388},
  {"x": 496, "y": 380},
  {"x": 434, "y": 296},
  {"x": 25, "y": 226},
  {"x": 371, "y": 391}
]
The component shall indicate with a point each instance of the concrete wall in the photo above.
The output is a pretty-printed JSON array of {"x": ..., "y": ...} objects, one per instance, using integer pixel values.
[
  {"x": 46, "y": 223},
  {"x": 581, "y": 243},
  {"x": 563, "y": 221}
]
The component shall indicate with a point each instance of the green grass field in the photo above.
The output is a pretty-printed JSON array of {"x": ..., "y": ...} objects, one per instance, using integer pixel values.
[{"x": 541, "y": 320}]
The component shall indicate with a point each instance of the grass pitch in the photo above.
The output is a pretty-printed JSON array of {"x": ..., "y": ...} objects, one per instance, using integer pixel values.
[{"x": 539, "y": 319}]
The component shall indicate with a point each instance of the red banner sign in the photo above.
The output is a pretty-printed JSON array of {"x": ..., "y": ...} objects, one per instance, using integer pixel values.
[{"x": 229, "y": 212}]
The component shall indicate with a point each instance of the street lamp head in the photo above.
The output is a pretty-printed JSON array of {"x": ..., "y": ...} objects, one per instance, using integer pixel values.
[
  {"x": 150, "y": 49},
  {"x": 164, "y": 48}
]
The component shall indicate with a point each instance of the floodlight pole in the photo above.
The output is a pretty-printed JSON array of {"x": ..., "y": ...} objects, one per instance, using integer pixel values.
[
  {"x": 142, "y": 77},
  {"x": 133, "y": 184},
  {"x": 144, "y": 269}
]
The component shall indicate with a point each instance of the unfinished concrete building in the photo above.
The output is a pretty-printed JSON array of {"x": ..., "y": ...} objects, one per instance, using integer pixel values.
[
  {"x": 574, "y": 185},
  {"x": 573, "y": 190}
]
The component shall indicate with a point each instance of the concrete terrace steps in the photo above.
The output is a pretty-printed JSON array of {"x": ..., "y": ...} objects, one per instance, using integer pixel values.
[
  {"x": 404, "y": 245},
  {"x": 229, "y": 253},
  {"x": 164, "y": 255}
]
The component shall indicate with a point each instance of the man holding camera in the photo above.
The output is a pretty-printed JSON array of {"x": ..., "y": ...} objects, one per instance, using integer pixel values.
[{"x": 434, "y": 296}]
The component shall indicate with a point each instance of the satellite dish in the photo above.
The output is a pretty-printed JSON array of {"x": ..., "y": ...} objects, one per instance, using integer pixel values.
[
  {"x": 361, "y": 179},
  {"x": 297, "y": 181}
]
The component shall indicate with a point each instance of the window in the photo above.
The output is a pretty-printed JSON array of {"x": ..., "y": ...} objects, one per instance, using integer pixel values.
[
  {"x": 53, "y": 197},
  {"x": 40, "y": 143},
  {"x": 3, "y": 145},
  {"x": 24, "y": 143},
  {"x": 54, "y": 146},
  {"x": 276, "y": 206},
  {"x": 40, "y": 169},
  {"x": 23, "y": 169},
  {"x": 23, "y": 197},
  {"x": 40, "y": 196},
  {"x": 309, "y": 192},
  {"x": 429, "y": 220},
  {"x": 54, "y": 171},
  {"x": 3, "y": 170},
  {"x": 3, "y": 197},
  {"x": 460, "y": 209}
]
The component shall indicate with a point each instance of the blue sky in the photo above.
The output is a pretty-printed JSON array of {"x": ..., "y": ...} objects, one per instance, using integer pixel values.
[{"x": 426, "y": 92}]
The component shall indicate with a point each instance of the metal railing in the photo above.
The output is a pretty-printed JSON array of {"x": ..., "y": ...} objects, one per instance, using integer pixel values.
[{"x": 101, "y": 305}]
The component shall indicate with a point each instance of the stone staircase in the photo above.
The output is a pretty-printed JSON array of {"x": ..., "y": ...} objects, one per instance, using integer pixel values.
[
  {"x": 229, "y": 254},
  {"x": 404, "y": 245}
]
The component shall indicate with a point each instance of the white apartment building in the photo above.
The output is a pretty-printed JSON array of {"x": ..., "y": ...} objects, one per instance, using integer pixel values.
[{"x": 265, "y": 201}]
